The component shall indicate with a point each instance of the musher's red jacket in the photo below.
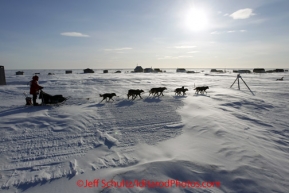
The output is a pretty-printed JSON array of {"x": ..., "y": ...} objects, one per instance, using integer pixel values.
[{"x": 34, "y": 86}]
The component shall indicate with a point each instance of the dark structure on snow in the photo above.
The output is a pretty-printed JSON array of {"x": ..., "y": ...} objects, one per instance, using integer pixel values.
[
  {"x": 148, "y": 70},
  {"x": 157, "y": 70},
  {"x": 276, "y": 70},
  {"x": 2, "y": 76},
  {"x": 181, "y": 70},
  {"x": 88, "y": 70},
  {"x": 239, "y": 77},
  {"x": 138, "y": 69},
  {"x": 19, "y": 73},
  {"x": 241, "y": 71},
  {"x": 259, "y": 70},
  {"x": 105, "y": 71},
  {"x": 68, "y": 72},
  {"x": 279, "y": 70},
  {"x": 215, "y": 70}
]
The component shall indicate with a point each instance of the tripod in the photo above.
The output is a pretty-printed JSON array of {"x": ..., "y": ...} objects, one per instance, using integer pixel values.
[{"x": 238, "y": 77}]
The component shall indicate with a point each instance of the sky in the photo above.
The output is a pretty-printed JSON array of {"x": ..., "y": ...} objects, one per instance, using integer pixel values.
[{"x": 113, "y": 34}]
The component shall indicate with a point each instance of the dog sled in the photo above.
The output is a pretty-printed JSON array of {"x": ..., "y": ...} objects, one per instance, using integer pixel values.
[{"x": 49, "y": 99}]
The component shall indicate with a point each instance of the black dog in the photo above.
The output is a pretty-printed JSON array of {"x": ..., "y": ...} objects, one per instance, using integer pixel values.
[
  {"x": 157, "y": 91},
  {"x": 134, "y": 93},
  {"x": 201, "y": 89},
  {"x": 107, "y": 95},
  {"x": 178, "y": 91}
]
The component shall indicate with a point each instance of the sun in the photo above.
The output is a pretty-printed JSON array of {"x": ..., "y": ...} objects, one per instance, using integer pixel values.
[{"x": 196, "y": 20}]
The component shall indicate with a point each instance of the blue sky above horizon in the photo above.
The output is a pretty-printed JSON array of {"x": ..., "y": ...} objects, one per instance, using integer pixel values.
[{"x": 162, "y": 34}]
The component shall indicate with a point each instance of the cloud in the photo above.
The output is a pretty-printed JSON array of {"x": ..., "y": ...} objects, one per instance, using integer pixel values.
[
  {"x": 215, "y": 32},
  {"x": 74, "y": 34},
  {"x": 173, "y": 57},
  {"x": 118, "y": 49},
  {"x": 193, "y": 52},
  {"x": 184, "y": 47},
  {"x": 230, "y": 31},
  {"x": 242, "y": 14}
]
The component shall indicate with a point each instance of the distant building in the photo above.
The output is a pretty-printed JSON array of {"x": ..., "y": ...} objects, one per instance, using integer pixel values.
[
  {"x": 148, "y": 70},
  {"x": 259, "y": 70},
  {"x": 2, "y": 76},
  {"x": 276, "y": 70},
  {"x": 50, "y": 73},
  {"x": 138, "y": 69},
  {"x": 244, "y": 71},
  {"x": 181, "y": 70},
  {"x": 157, "y": 70},
  {"x": 88, "y": 70},
  {"x": 117, "y": 71},
  {"x": 279, "y": 70},
  {"x": 191, "y": 72},
  {"x": 215, "y": 70},
  {"x": 19, "y": 73},
  {"x": 241, "y": 71},
  {"x": 68, "y": 72},
  {"x": 105, "y": 71}
]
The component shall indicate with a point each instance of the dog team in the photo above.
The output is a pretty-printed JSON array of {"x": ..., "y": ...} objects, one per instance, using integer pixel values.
[{"x": 154, "y": 92}]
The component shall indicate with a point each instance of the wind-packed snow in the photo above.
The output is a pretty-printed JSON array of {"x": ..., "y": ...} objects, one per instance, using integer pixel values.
[{"x": 235, "y": 137}]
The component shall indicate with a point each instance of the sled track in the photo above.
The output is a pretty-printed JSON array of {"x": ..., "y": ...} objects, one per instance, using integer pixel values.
[
  {"x": 142, "y": 122},
  {"x": 55, "y": 136}
]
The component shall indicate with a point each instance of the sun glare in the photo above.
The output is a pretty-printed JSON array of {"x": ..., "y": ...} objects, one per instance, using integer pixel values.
[{"x": 196, "y": 20}]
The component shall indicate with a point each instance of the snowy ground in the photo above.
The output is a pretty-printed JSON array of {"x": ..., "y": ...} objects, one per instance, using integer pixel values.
[{"x": 237, "y": 138}]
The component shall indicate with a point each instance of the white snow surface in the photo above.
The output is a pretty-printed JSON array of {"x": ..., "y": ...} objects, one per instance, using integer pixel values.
[{"x": 236, "y": 137}]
